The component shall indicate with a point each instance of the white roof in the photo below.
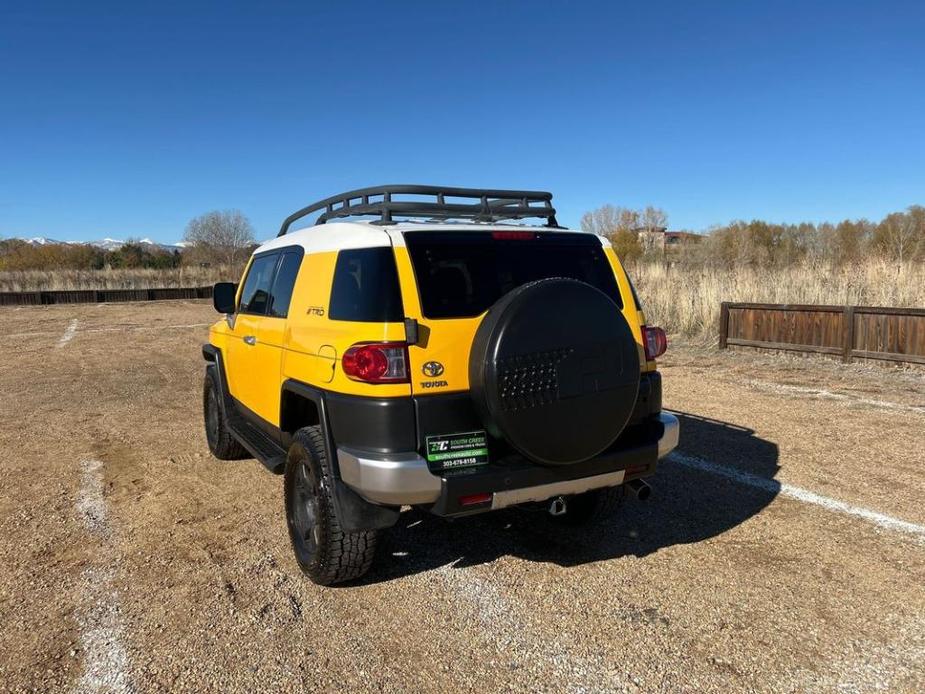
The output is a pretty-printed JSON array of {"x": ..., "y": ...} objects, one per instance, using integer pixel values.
[
  {"x": 336, "y": 236},
  {"x": 333, "y": 236}
]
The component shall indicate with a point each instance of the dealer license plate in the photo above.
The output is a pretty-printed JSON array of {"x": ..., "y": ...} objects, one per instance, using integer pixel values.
[{"x": 457, "y": 450}]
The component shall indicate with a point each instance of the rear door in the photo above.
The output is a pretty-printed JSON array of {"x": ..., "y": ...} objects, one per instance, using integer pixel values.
[
  {"x": 245, "y": 358},
  {"x": 451, "y": 278},
  {"x": 272, "y": 333}
]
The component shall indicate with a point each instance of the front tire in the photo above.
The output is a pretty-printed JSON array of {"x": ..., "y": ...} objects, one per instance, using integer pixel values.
[
  {"x": 222, "y": 444},
  {"x": 325, "y": 552}
]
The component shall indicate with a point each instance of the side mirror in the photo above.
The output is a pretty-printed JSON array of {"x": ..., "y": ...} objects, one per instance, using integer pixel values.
[{"x": 223, "y": 295}]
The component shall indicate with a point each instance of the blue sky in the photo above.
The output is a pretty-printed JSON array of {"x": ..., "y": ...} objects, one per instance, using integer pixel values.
[{"x": 127, "y": 119}]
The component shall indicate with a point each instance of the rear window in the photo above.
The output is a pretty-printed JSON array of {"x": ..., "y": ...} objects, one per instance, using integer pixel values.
[
  {"x": 365, "y": 287},
  {"x": 461, "y": 274}
]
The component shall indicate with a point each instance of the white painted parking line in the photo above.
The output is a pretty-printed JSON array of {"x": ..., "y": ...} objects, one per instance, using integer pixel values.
[
  {"x": 91, "y": 506},
  {"x": 138, "y": 328},
  {"x": 99, "y": 618},
  {"x": 829, "y": 395},
  {"x": 773, "y": 486},
  {"x": 68, "y": 333},
  {"x": 131, "y": 328},
  {"x": 101, "y": 637}
]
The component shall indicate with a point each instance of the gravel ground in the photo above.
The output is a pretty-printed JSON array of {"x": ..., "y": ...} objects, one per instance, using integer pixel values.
[{"x": 133, "y": 561}]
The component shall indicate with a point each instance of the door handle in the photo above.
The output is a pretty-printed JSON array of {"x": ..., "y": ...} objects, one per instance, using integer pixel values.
[{"x": 250, "y": 340}]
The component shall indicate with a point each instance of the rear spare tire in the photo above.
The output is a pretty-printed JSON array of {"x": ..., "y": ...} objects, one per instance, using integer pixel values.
[{"x": 554, "y": 370}]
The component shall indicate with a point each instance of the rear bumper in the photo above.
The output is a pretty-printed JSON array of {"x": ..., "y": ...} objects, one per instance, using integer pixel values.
[
  {"x": 670, "y": 435},
  {"x": 401, "y": 479}
]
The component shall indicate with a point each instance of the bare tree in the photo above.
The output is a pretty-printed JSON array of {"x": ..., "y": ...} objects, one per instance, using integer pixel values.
[
  {"x": 900, "y": 234},
  {"x": 220, "y": 236},
  {"x": 653, "y": 219},
  {"x": 619, "y": 226},
  {"x": 603, "y": 221},
  {"x": 629, "y": 219},
  {"x": 900, "y": 237},
  {"x": 609, "y": 220},
  {"x": 651, "y": 226}
]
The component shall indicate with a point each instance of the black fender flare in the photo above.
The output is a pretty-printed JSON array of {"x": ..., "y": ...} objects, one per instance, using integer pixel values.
[
  {"x": 215, "y": 365},
  {"x": 353, "y": 511}
]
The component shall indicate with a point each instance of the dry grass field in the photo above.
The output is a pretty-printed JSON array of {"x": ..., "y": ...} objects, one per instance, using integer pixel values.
[
  {"x": 783, "y": 549},
  {"x": 685, "y": 300},
  {"x": 138, "y": 278}
]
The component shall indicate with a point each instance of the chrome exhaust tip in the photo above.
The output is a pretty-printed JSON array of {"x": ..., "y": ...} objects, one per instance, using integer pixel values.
[
  {"x": 640, "y": 489},
  {"x": 557, "y": 506}
]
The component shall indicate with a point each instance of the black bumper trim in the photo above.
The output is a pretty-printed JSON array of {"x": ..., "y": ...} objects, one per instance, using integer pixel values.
[{"x": 519, "y": 473}]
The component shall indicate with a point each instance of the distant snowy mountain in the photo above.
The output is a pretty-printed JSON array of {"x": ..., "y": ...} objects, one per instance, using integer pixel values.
[
  {"x": 42, "y": 241},
  {"x": 165, "y": 246},
  {"x": 106, "y": 244}
]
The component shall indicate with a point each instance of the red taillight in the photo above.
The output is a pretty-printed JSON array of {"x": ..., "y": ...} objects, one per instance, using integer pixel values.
[
  {"x": 377, "y": 362},
  {"x": 475, "y": 499},
  {"x": 513, "y": 235},
  {"x": 655, "y": 341}
]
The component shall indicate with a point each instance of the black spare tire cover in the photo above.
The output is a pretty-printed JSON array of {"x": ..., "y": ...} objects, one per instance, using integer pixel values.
[{"x": 554, "y": 370}]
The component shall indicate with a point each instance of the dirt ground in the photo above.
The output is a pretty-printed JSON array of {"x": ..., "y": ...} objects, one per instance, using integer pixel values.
[{"x": 783, "y": 548}]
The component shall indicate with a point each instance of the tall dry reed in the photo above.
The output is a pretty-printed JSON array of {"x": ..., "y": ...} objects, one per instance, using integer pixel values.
[
  {"x": 140, "y": 278},
  {"x": 682, "y": 299},
  {"x": 685, "y": 300}
]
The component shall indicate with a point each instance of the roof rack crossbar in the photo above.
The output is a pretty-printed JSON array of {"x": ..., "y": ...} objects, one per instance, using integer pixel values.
[{"x": 491, "y": 205}]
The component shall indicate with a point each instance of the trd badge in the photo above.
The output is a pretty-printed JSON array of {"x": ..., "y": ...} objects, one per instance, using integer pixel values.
[{"x": 432, "y": 369}]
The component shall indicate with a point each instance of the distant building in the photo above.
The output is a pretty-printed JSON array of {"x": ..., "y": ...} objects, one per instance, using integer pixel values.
[
  {"x": 660, "y": 239},
  {"x": 676, "y": 238},
  {"x": 651, "y": 239}
]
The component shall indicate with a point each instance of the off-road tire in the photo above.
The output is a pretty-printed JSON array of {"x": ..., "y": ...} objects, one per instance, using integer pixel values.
[
  {"x": 325, "y": 552},
  {"x": 592, "y": 507},
  {"x": 222, "y": 444}
]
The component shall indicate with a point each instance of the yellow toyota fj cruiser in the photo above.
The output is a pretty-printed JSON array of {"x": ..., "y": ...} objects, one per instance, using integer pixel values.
[{"x": 439, "y": 355}]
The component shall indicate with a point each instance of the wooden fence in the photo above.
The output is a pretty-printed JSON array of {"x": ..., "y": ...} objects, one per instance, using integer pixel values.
[
  {"x": 869, "y": 332},
  {"x": 100, "y": 296}
]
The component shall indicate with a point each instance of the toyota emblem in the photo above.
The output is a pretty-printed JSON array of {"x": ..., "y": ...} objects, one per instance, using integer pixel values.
[{"x": 432, "y": 369}]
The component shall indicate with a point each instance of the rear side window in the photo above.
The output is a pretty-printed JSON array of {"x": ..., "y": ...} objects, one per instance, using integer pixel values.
[
  {"x": 286, "y": 274},
  {"x": 461, "y": 274},
  {"x": 256, "y": 292},
  {"x": 365, "y": 287},
  {"x": 635, "y": 295}
]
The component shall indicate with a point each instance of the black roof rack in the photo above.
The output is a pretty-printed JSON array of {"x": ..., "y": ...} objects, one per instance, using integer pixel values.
[{"x": 492, "y": 205}]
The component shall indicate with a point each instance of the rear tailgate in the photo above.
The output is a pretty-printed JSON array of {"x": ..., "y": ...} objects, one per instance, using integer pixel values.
[{"x": 450, "y": 278}]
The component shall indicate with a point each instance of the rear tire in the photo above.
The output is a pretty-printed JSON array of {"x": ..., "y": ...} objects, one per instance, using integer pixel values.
[
  {"x": 222, "y": 444},
  {"x": 592, "y": 507},
  {"x": 325, "y": 552}
]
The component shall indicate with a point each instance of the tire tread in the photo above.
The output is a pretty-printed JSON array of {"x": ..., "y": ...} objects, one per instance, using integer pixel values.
[
  {"x": 340, "y": 556},
  {"x": 226, "y": 446}
]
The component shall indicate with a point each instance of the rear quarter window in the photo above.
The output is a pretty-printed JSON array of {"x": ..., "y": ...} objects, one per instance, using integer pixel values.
[
  {"x": 284, "y": 283},
  {"x": 256, "y": 291},
  {"x": 461, "y": 274},
  {"x": 365, "y": 287}
]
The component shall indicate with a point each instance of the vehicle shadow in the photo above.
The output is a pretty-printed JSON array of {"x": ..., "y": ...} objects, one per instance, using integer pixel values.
[{"x": 688, "y": 504}]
